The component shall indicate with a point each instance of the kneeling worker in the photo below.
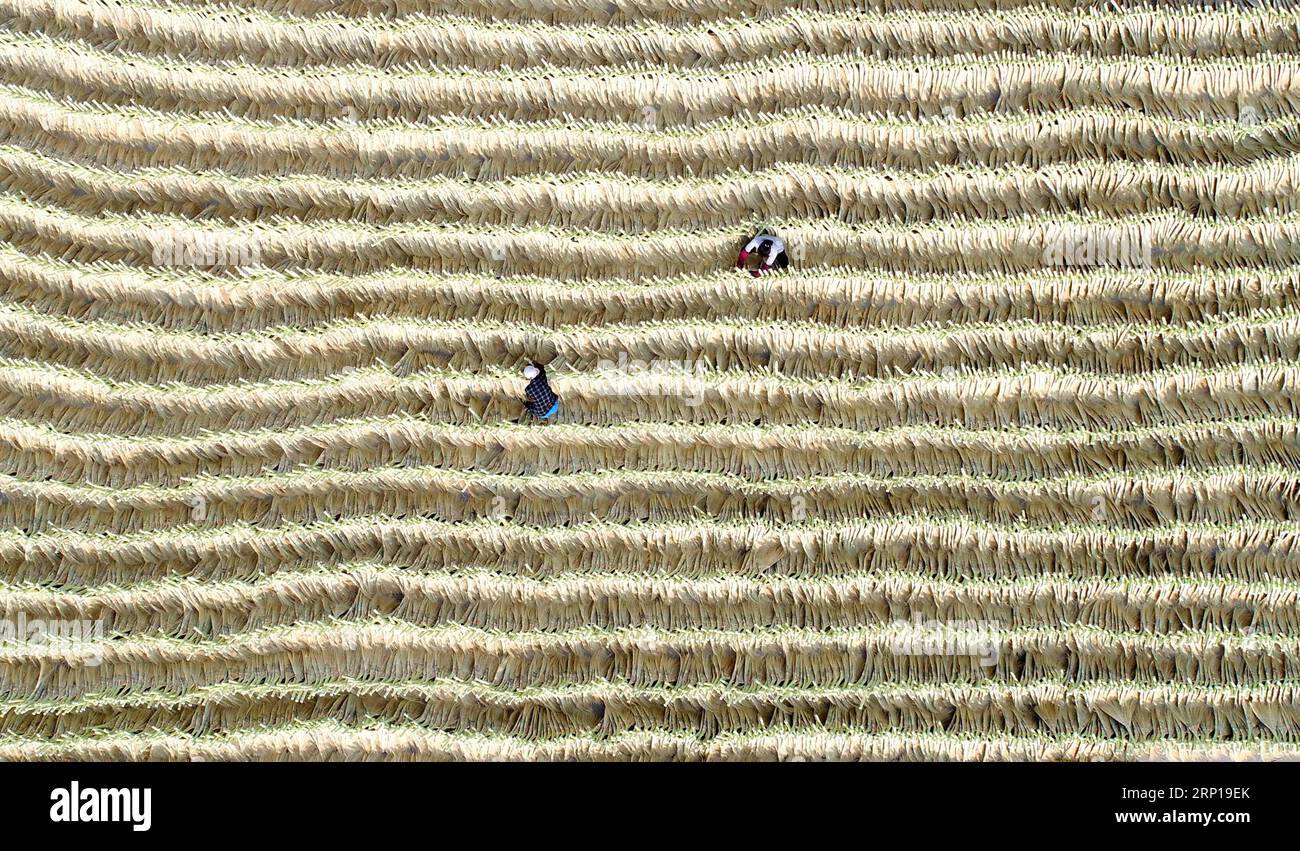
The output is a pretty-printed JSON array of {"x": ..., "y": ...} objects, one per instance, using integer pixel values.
[
  {"x": 770, "y": 243},
  {"x": 538, "y": 395}
]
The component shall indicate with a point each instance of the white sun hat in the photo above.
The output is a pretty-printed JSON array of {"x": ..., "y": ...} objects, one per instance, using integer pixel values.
[{"x": 530, "y": 372}]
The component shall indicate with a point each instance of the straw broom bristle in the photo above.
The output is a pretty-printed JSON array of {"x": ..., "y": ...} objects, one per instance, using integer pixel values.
[{"x": 1004, "y": 467}]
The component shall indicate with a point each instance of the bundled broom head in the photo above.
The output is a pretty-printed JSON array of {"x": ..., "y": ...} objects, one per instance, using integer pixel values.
[{"x": 1005, "y": 469}]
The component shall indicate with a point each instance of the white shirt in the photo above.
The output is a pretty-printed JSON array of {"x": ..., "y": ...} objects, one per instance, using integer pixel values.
[{"x": 778, "y": 245}]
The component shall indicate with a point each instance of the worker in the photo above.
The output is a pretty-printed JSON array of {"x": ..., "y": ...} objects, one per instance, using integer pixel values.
[
  {"x": 770, "y": 243},
  {"x": 539, "y": 397}
]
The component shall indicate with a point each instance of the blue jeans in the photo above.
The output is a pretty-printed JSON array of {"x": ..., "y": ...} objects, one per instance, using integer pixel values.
[{"x": 555, "y": 409}]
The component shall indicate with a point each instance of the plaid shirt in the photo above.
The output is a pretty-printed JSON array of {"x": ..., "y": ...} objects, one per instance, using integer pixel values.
[{"x": 541, "y": 398}]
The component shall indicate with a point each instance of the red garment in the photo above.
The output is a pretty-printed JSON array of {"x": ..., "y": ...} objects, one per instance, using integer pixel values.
[{"x": 775, "y": 247}]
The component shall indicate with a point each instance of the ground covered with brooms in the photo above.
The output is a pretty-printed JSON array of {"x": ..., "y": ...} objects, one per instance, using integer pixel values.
[{"x": 1002, "y": 461}]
